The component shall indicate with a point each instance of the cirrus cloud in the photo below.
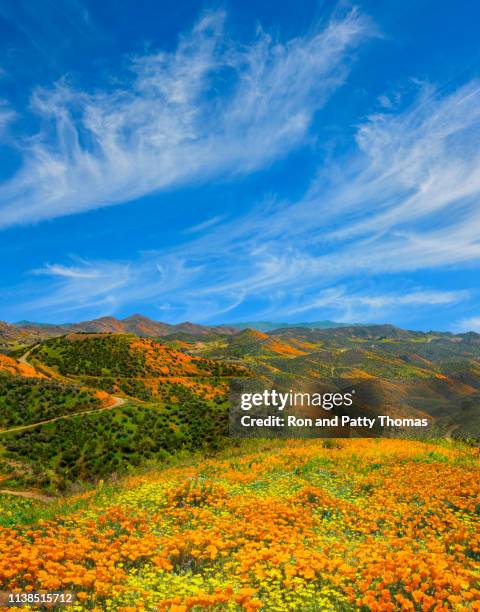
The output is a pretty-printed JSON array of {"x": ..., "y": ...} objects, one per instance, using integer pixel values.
[{"x": 211, "y": 107}]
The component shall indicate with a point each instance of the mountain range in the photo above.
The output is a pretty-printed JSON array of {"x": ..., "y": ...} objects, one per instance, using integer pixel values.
[
  {"x": 28, "y": 332},
  {"x": 137, "y": 324},
  {"x": 24, "y": 333}
]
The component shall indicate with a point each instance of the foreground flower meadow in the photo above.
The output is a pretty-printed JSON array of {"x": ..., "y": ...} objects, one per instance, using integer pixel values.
[{"x": 316, "y": 525}]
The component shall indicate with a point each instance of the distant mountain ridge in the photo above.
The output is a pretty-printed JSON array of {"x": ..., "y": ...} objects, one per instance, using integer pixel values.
[
  {"x": 143, "y": 326},
  {"x": 137, "y": 324},
  {"x": 13, "y": 336}
]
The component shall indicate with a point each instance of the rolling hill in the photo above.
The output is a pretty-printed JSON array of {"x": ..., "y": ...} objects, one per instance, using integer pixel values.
[
  {"x": 137, "y": 367},
  {"x": 398, "y": 372},
  {"x": 24, "y": 401},
  {"x": 173, "y": 388},
  {"x": 122, "y": 355}
]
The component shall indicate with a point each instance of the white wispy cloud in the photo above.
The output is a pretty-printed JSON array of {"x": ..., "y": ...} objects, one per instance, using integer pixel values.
[
  {"x": 85, "y": 285},
  {"x": 405, "y": 199},
  {"x": 212, "y": 106},
  {"x": 7, "y": 115},
  {"x": 339, "y": 297},
  {"x": 106, "y": 286},
  {"x": 86, "y": 272},
  {"x": 204, "y": 225},
  {"x": 469, "y": 324},
  {"x": 353, "y": 307}
]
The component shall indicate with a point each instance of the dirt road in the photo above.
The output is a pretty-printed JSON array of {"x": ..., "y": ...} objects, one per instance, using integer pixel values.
[
  {"x": 118, "y": 401},
  {"x": 451, "y": 429},
  {"x": 27, "y": 495}
]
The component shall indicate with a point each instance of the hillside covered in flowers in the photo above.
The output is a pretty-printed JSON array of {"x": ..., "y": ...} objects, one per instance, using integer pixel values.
[{"x": 273, "y": 526}]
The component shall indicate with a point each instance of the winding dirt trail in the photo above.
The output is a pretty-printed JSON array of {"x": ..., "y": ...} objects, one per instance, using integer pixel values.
[
  {"x": 118, "y": 401},
  {"x": 450, "y": 430},
  {"x": 23, "y": 358},
  {"x": 28, "y": 495}
]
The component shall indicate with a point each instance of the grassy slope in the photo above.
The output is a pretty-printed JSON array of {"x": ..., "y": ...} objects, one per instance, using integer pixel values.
[
  {"x": 137, "y": 367},
  {"x": 178, "y": 400},
  {"x": 29, "y": 400}
]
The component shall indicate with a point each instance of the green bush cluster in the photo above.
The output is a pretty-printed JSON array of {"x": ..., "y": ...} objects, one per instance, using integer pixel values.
[{"x": 29, "y": 400}]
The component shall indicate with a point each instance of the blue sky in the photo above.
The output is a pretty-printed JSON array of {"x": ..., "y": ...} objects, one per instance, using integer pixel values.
[{"x": 290, "y": 161}]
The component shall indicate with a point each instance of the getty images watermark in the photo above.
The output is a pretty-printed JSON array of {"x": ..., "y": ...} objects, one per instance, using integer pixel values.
[
  {"x": 260, "y": 412},
  {"x": 276, "y": 399}
]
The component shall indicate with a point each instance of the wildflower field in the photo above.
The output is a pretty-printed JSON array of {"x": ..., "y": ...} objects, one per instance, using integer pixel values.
[{"x": 298, "y": 525}]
